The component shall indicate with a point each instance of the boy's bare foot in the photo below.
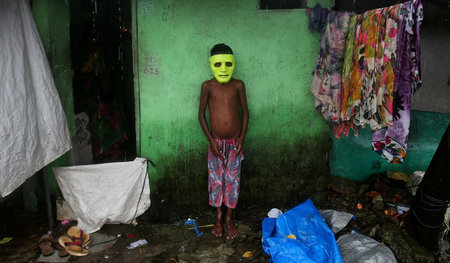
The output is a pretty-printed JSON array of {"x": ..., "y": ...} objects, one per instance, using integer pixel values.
[
  {"x": 232, "y": 231},
  {"x": 218, "y": 225},
  {"x": 217, "y": 229}
]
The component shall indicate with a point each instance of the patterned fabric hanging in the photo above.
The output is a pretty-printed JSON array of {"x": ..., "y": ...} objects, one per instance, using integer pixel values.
[
  {"x": 391, "y": 142},
  {"x": 367, "y": 70}
]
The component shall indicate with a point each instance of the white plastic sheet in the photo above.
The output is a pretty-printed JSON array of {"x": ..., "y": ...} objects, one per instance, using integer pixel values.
[
  {"x": 357, "y": 248},
  {"x": 105, "y": 193},
  {"x": 33, "y": 127}
]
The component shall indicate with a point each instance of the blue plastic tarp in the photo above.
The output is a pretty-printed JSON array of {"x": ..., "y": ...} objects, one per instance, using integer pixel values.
[{"x": 314, "y": 241}]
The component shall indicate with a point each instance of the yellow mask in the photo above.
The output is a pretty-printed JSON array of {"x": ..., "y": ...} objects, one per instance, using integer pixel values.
[{"x": 222, "y": 66}]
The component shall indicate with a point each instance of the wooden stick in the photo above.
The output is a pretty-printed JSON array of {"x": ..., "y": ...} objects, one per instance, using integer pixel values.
[{"x": 202, "y": 226}]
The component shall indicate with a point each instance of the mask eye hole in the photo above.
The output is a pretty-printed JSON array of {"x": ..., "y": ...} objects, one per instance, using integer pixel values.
[
  {"x": 229, "y": 64},
  {"x": 217, "y": 64}
]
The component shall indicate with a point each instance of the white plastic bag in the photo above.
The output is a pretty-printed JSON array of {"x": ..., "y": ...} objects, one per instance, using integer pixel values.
[{"x": 357, "y": 248}]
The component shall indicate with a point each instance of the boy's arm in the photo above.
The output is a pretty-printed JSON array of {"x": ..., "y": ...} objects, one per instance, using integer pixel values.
[
  {"x": 201, "y": 117},
  {"x": 245, "y": 116}
]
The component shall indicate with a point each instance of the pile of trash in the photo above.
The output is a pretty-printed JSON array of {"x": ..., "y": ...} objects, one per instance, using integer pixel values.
[{"x": 366, "y": 220}]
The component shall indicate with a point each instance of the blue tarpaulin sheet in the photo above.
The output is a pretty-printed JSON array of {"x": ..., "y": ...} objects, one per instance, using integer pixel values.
[{"x": 314, "y": 241}]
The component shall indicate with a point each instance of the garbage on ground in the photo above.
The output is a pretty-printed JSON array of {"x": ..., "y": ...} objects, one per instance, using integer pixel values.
[
  {"x": 414, "y": 180},
  {"x": 399, "y": 208},
  {"x": 248, "y": 254},
  {"x": 5, "y": 240},
  {"x": 336, "y": 220},
  {"x": 192, "y": 221},
  {"x": 357, "y": 248},
  {"x": 274, "y": 213},
  {"x": 203, "y": 226},
  {"x": 376, "y": 196},
  {"x": 137, "y": 244},
  {"x": 399, "y": 176},
  {"x": 314, "y": 241}
]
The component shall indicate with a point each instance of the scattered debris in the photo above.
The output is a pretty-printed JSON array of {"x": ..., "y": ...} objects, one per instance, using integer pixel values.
[
  {"x": 274, "y": 213},
  {"x": 192, "y": 221},
  {"x": 336, "y": 220},
  {"x": 313, "y": 242},
  {"x": 355, "y": 247},
  {"x": 414, "y": 181},
  {"x": 203, "y": 226},
  {"x": 5, "y": 240},
  {"x": 377, "y": 217},
  {"x": 248, "y": 254},
  {"x": 137, "y": 244},
  {"x": 399, "y": 176}
]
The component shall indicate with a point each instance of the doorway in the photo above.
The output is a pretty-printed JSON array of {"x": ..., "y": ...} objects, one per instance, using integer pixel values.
[{"x": 101, "y": 54}]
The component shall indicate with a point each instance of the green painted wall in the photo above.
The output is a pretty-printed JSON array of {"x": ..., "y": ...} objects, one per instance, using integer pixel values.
[
  {"x": 287, "y": 141},
  {"x": 352, "y": 157},
  {"x": 52, "y": 20}
]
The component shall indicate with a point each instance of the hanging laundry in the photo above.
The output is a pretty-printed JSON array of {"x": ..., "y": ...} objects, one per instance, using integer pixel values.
[
  {"x": 349, "y": 96},
  {"x": 368, "y": 87},
  {"x": 326, "y": 83},
  {"x": 33, "y": 127},
  {"x": 317, "y": 17},
  {"x": 391, "y": 142},
  {"x": 367, "y": 75}
]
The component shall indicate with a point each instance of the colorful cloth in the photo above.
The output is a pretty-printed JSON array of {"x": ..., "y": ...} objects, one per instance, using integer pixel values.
[
  {"x": 326, "y": 83},
  {"x": 368, "y": 70},
  {"x": 224, "y": 174},
  {"x": 391, "y": 142}
]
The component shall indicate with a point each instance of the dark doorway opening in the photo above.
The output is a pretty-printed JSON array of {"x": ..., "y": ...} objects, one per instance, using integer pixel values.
[{"x": 101, "y": 54}]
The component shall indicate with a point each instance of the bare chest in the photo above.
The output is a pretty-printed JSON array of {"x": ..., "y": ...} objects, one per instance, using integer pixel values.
[{"x": 223, "y": 95}]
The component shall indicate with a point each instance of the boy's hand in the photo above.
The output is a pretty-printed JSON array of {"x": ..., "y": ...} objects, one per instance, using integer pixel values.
[
  {"x": 215, "y": 148},
  {"x": 239, "y": 144}
]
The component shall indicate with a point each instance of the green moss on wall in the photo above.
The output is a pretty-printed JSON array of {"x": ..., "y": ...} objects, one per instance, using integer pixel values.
[{"x": 287, "y": 141}]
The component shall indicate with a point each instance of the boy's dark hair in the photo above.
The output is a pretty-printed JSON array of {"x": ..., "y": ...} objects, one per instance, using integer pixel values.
[{"x": 221, "y": 49}]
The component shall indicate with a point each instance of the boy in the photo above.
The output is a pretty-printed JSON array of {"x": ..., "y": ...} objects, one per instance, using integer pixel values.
[{"x": 228, "y": 118}]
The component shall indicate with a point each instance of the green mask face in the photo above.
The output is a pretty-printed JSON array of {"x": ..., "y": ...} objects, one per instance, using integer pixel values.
[{"x": 222, "y": 67}]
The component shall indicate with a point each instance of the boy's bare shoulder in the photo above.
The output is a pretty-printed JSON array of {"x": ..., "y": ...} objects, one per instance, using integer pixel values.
[
  {"x": 238, "y": 83},
  {"x": 207, "y": 83}
]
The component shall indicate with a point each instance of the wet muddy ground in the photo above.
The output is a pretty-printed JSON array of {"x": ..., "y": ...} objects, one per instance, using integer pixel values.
[{"x": 373, "y": 203}]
